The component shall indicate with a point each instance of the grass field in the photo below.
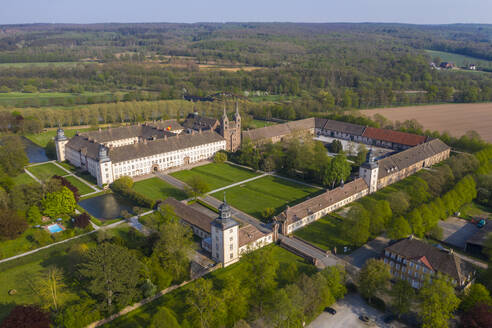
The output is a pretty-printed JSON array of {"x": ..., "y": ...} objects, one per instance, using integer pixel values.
[
  {"x": 254, "y": 124},
  {"x": 175, "y": 300},
  {"x": 459, "y": 60},
  {"x": 457, "y": 119},
  {"x": 17, "y": 98},
  {"x": 46, "y": 171},
  {"x": 43, "y": 64},
  {"x": 42, "y": 139},
  {"x": 216, "y": 175},
  {"x": 82, "y": 187},
  {"x": 325, "y": 233},
  {"x": 156, "y": 188},
  {"x": 83, "y": 174},
  {"x": 17, "y": 274},
  {"x": 269, "y": 191},
  {"x": 23, "y": 178}
]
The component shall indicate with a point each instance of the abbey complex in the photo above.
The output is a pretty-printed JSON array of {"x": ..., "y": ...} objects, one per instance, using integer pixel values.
[{"x": 159, "y": 146}]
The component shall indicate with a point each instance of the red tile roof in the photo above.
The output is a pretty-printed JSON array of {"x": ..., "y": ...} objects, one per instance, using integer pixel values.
[{"x": 402, "y": 138}]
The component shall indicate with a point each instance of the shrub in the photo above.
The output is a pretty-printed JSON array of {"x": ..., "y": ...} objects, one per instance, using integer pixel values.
[
  {"x": 220, "y": 157},
  {"x": 82, "y": 220},
  {"x": 11, "y": 225},
  {"x": 27, "y": 316}
]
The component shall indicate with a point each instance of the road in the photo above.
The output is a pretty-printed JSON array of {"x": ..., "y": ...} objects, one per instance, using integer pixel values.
[
  {"x": 372, "y": 249},
  {"x": 348, "y": 311}
]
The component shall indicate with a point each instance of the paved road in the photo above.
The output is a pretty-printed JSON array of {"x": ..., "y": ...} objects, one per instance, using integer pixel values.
[
  {"x": 325, "y": 259},
  {"x": 348, "y": 311},
  {"x": 171, "y": 180},
  {"x": 456, "y": 231},
  {"x": 370, "y": 250}
]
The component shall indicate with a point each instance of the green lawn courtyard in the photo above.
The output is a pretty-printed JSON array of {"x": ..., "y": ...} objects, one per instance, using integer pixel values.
[
  {"x": 82, "y": 187},
  {"x": 23, "y": 178},
  {"x": 156, "y": 188},
  {"x": 216, "y": 175},
  {"x": 46, "y": 171},
  {"x": 325, "y": 233},
  {"x": 269, "y": 191}
]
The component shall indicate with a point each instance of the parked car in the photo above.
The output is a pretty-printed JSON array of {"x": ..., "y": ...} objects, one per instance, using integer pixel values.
[
  {"x": 481, "y": 223},
  {"x": 330, "y": 310},
  {"x": 389, "y": 318},
  {"x": 364, "y": 318}
]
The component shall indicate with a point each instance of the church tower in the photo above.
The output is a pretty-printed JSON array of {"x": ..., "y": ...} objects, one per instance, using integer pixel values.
[
  {"x": 60, "y": 141},
  {"x": 236, "y": 136},
  {"x": 369, "y": 171},
  {"x": 225, "y": 236},
  {"x": 224, "y": 129}
]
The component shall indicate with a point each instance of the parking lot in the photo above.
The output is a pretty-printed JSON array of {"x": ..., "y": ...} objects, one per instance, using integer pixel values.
[
  {"x": 349, "y": 310},
  {"x": 456, "y": 231}
]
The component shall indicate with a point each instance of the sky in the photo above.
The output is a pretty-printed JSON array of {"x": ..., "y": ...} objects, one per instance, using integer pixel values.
[{"x": 191, "y": 11}]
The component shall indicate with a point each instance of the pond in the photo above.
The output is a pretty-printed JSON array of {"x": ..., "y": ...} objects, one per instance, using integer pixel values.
[
  {"x": 35, "y": 153},
  {"x": 107, "y": 206}
]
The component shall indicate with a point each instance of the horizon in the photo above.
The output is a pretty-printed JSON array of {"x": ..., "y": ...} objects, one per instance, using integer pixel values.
[{"x": 419, "y": 12}]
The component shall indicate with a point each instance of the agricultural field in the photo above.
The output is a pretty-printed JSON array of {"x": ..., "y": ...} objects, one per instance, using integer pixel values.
[
  {"x": 459, "y": 60},
  {"x": 456, "y": 119},
  {"x": 157, "y": 189},
  {"x": 325, "y": 233},
  {"x": 216, "y": 175},
  {"x": 46, "y": 171},
  {"x": 17, "y": 98},
  {"x": 267, "y": 192},
  {"x": 175, "y": 300},
  {"x": 42, "y": 64}
]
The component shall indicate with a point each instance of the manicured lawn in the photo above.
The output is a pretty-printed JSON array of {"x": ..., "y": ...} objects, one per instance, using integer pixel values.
[
  {"x": 269, "y": 191},
  {"x": 325, "y": 233},
  {"x": 156, "y": 188},
  {"x": 83, "y": 174},
  {"x": 82, "y": 187},
  {"x": 46, "y": 171},
  {"x": 23, "y": 178},
  {"x": 175, "y": 300},
  {"x": 216, "y": 175}
]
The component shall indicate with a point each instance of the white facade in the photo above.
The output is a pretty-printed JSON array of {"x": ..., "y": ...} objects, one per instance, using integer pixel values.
[
  {"x": 225, "y": 244},
  {"x": 254, "y": 245}
]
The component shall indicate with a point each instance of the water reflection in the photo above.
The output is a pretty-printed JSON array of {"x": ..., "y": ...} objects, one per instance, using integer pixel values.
[
  {"x": 107, "y": 206},
  {"x": 35, "y": 153}
]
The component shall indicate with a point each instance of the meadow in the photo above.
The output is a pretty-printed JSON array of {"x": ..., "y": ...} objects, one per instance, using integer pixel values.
[{"x": 459, "y": 60}]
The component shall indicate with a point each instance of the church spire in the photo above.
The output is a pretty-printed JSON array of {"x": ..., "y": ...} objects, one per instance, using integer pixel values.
[{"x": 224, "y": 115}]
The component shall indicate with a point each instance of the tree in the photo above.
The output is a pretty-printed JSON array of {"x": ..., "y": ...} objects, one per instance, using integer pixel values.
[
  {"x": 164, "y": 317},
  {"x": 220, "y": 157},
  {"x": 78, "y": 314},
  {"x": 34, "y": 215},
  {"x": 437, "y": 303},
  {"x": 335, "y": 279},
  {"x": 27, "y": 316},
  {"x": 338, "y": 170},
  {"x": 112, "y": 273},
  {"x": 415, "y": 221},
  {"x": 479, "y": 316},
  {"x": 336, "y": 146},
  {"x": 399, "y": 228},
  {"x": 398, "y": 202},
  {"x": 49, "y": 286},
  {"x": 267, "y": 213},
  {"x": 196, "y": 186},
  {"x": 477, "y": 293},
  {"x": 11, "y": 225},
  {"x": 123, "y": 183},
  {"x": 356, "y": 227},
  {"x": 59, "y": 202},
  {"x": 203, "y": 304},
  {"x": 82, "y": 220},
  {"x": 402, "y": 294},
  {"x": 373, "y": 277},
  {"x": 13, "y": 157},
  {"x": 286, "y": 311},
  {"x": 361, "y": 154},
  {"x": 173, "y": 248}
]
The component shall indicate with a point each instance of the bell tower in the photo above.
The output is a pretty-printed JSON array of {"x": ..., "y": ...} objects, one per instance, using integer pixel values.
[
  {"x": 369, "y": 171},
  {"x": 60, "y": 141},
  {"x": 225, "y": 236}
]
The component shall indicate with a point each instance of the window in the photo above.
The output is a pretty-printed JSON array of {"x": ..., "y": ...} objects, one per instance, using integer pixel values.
[
  {"x": 231, "y": 238},
  {"x": 230, "y": 256},
  {"x": 231, "y": 247}
]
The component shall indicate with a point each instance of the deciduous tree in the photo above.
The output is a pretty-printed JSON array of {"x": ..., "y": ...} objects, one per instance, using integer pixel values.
[
  {"x": 373, "y": 278},
  {"x": 438, "y": 301}
]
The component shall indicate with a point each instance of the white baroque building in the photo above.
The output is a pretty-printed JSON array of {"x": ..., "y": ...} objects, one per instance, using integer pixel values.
[{"x": 137, "y": 150}]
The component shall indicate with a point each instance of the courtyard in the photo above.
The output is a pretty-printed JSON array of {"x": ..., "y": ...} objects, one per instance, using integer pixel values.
[
  {"x": 267, "y": 192},
  {"x": 216, "y": 175},
  {"x": 157, "y": 189},
  {"x": 325, "y": 233}
]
